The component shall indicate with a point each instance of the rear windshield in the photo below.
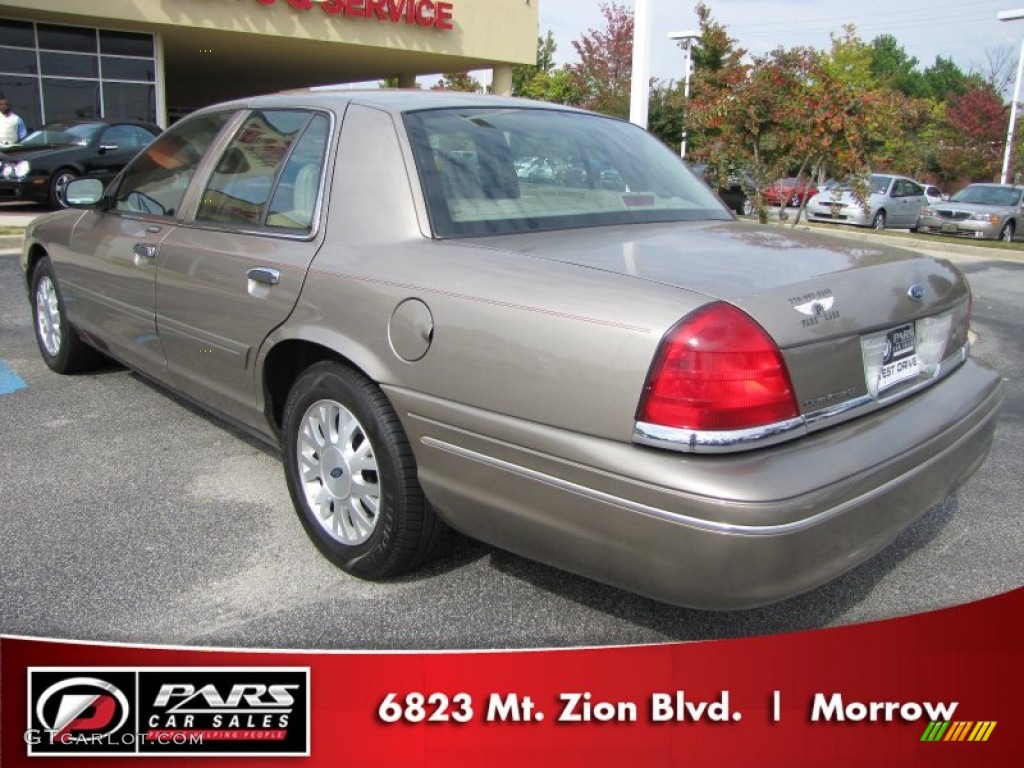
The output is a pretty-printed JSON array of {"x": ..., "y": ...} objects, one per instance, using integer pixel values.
[{"x": 497, "y": 171}]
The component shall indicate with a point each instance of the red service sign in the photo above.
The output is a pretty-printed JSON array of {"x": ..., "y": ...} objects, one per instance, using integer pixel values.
[{"x": 423, "y": 13}]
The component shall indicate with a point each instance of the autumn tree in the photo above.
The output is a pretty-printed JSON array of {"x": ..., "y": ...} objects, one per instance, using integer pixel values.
[
  {"x": 975, "y": 139},
  {"x": 458, "y": 81},
  {"x": 718, "y": 68},
  {"x": 606, "y": 62},
  {"x": 754, "y": 121}
]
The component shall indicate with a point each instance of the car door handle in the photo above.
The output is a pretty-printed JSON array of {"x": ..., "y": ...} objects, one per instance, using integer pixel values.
[
  {"x": 144, "y": 251},
  {"x": 265, "y": 275}
]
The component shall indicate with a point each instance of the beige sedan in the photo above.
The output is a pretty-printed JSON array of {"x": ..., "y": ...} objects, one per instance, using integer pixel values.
[{"x": 602, "y": 370}]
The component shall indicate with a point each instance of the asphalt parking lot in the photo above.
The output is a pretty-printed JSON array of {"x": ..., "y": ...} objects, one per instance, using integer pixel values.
[{"x": 127, "y": 515}]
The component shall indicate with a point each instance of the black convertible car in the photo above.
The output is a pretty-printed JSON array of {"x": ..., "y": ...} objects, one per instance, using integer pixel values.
[{"x": 40, "y": 167}]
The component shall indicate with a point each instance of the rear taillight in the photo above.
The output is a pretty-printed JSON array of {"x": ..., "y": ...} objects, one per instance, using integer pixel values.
[{"x": 717, "y": 370}]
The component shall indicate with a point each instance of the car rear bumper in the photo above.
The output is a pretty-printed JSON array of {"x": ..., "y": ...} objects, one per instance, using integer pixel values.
[{"x": 726, "y": 531}]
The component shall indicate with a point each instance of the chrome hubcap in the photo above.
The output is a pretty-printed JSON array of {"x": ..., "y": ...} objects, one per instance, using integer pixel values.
[
  {"x": 339, "y": 472},
  {"x": 60, "y": 187},
  {"x": 48, "y": 316}
]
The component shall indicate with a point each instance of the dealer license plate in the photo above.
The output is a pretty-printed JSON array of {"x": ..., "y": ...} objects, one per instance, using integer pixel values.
[{"x": 900, "y": 360}]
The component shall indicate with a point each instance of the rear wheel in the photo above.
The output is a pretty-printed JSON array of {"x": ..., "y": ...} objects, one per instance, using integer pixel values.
[
  {"x": 1006, "y": 233},
  {"x": 61, "y": 348},
  {"x": 352, "y": 475},
  {"x": 879, "y": 221}
]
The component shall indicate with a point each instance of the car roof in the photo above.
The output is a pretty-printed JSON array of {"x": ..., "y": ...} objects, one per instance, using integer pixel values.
[
  {"x": 995, "y": 186},
  {"x": 394, "y": 100},
  {"x": 99, "y": 121}
]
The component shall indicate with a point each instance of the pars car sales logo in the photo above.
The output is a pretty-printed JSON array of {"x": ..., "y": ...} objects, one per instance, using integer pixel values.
[{"x": 116, "y": 711}]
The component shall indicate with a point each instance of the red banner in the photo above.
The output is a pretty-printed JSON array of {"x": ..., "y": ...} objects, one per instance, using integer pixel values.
[{"x": 936, "y": 689}]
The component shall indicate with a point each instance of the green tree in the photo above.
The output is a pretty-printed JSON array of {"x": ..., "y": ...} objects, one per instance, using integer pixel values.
[
  {"x": 944, "y": 79},
  {"x": 665, "y": 111},
  {"x": 560, "y": 86},
  {"x": 523, "y": 74},
  {"x": 893, "y": 68}
]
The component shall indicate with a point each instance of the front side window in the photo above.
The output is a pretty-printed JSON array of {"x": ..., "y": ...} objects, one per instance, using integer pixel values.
[
  {"x": 63, "y": 135},
  {"x": 499, "y": 170},
  {"x": 156, "y": 181},
  {"x": 242, "y": 185}
]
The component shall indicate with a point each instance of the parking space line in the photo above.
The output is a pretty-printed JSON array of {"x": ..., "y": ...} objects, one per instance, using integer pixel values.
[{"x": 9, "y": 380}]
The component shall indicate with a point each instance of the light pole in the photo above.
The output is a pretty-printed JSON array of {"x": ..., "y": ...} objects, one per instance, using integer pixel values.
[
  {"x": 1011, "y": 16},
  {"x": 640, "y": 82},
  {"x": 685, "y": 40}
]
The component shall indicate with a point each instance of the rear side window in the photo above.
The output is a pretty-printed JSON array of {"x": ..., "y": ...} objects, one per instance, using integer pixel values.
[
  {"x": 294, "y": 200},
  {"x": 269, "y": 174}
]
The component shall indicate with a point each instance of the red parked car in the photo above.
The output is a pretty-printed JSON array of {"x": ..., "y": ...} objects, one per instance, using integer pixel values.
[{"x": 789, "y": 192}]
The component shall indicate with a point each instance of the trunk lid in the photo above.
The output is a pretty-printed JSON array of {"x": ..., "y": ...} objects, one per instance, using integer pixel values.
[
  {"x": 821, "y": 299},
  {"x": 775, "y": 275}
]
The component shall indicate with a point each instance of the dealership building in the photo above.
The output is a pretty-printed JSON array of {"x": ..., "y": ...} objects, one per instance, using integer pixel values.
[{"x": 156, "y": 60}]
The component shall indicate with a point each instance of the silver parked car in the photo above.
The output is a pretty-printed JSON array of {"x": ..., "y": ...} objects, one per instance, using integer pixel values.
[
  {"x": 988, "y": 211},
  {"x": 933, "y": 193},
  {"x": 892, "y": 202},
  {"x": 617, "y": 379}
]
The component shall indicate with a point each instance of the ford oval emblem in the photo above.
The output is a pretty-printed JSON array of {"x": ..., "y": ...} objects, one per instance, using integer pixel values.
[{"x": 916, "y": 292}]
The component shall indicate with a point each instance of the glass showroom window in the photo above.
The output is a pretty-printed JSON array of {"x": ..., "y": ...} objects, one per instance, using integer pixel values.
[{"x": 52, "y": 72}]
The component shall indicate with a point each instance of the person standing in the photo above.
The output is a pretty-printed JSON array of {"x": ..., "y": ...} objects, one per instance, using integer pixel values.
[{"x": 12, "y": 127}]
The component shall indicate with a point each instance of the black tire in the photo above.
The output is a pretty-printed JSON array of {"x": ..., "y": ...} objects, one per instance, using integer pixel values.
[
  {"x": 879, "y": 221},
  {"x": 59, "y": 181},
  {"x": 59, "y": 343},
  {"x": 1006, "y": 233},
  {"x": 366, "y": 536}
]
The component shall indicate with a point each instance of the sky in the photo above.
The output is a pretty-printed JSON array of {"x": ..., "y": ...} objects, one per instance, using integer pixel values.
[{"x": 959, "y": 29}]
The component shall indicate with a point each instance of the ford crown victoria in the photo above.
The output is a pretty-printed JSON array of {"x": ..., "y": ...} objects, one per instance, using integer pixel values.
[{"x": 619, "y": 379}]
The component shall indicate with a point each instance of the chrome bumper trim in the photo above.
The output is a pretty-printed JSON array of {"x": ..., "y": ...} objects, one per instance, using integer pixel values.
[{"x": 730, "y": 441}]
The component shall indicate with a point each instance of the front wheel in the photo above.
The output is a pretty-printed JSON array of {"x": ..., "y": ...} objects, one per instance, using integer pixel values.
[
  {"x": 879, "y": 221},
  {"x": 352, "y": 475},
  {"x": 748, "y": 207},
  {"x": 59, "y": 187},
  {"x": 1006, "y": 233},
  {"x": 61, "y": 348}
]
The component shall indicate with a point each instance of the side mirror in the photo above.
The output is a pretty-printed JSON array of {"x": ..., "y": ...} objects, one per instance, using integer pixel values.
[{"x": 84, "y": 193}]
